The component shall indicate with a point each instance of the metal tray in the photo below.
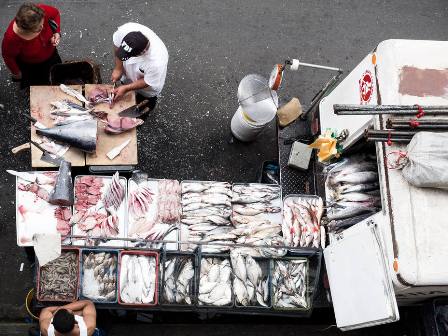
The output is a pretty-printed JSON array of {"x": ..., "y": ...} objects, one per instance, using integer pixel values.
[
  {"x": 173, "y": 235},
  {"x": 321, "y": 227},
  {"x": 122, "y": 217},
  {"x": 49, "y": 207},
  {"x": 99, "y": 250}
]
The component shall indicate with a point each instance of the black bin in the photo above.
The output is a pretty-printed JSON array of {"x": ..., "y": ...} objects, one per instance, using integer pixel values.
[{"x": 75, "y": 73}]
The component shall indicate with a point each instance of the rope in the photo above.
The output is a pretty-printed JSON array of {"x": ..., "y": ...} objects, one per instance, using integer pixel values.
[
  {"x": 414, "y": 123},
  {"x": 420, "y": 113},
  {"x": 26, "y": 304},
  {"x": 399, "y": 162}
]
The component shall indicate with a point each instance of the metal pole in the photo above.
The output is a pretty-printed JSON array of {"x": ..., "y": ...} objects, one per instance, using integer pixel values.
[
  {"x": 319, "y": 66},
  {"x": 377, "y": 139},
  {"x": 390, "y": 133}
]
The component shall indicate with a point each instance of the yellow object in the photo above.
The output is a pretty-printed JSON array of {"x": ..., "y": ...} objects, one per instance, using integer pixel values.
[
  {"x": 289, "y": 112},
  {"x": 326, "y": 146},
  {"x": 27, "y": 299}
]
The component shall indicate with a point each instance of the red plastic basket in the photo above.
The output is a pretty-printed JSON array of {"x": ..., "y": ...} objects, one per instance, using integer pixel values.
[
  {"x": 39, "y": 298},
  {"x": 156, "y": 292}
]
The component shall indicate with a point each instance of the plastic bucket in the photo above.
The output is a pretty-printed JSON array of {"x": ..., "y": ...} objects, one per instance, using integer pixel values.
[
  {"x": 262, "y": 111},
  {"x": 243, "y": 129}
]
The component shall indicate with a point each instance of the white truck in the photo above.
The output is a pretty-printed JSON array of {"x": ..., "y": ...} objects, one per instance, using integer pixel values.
[{"x": 398, "y": 256}]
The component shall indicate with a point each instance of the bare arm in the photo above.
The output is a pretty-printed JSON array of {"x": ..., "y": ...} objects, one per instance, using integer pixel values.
[
  {"x": 118, "y": 69},
  {"x": 138, "y": 84},
  {"x": 78, "y": 306},
  {"x": 89, "y": 316},
  {"x": 45, "y": 318}
]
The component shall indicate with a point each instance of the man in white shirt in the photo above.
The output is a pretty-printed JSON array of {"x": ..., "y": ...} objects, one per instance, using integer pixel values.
[
  {"x": 74, "y": 319},
  {"x": 141, "y": 61}
]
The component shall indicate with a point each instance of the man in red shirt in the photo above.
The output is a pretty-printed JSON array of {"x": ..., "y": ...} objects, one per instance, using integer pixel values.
[{"x": 29, "y": 44}]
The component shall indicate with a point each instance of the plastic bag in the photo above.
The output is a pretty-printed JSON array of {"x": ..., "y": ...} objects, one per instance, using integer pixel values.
[{"x": 426, "y": 160}]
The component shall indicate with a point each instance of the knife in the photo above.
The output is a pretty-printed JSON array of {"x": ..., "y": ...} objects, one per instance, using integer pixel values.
[
  {"x": 134, "y": 111},
  {"x": 37, "y": 124},
  {"x": 47, "y": 157}
]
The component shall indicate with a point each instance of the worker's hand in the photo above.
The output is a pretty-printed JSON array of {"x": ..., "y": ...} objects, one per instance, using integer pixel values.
[
  {"x": 116, "y": 75},
  {"x": 16, "y": 77},
  {"x": 120, "y": 92},
  {"x": 55, "y": 39}
]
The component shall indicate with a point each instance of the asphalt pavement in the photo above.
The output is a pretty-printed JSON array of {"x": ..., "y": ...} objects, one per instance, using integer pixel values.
[{"x": 212, "y": 44}]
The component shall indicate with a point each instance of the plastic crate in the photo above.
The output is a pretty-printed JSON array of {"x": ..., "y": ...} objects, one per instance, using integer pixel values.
[
  {"x": 198, "y": 281},
  {"x": 156, "y": 291},
  {"x": 39, "y": 269},
  {"x": 96, "y": 251},
  {"x": 313, "y": 260},
  {"x": 75, "y": 72},
  {"x": 266, "y": 269},
  {"x": 168, "y": 255}
]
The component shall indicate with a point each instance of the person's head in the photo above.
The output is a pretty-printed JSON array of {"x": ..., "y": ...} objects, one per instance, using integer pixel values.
[
  {"x": 30, "y": 18},
  {"x": 133, "y": 44},
  {"x": 63, "y": 321}
]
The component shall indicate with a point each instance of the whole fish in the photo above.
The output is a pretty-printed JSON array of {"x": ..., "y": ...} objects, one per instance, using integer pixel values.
[
  {"x": 345, "y": 223},
  {"x": 74, "y": 93},
  {"x": 79, "y": 134},
  {"x": 350, "y": 212},
  {"x": 348, "y": 188},
  {"x": 355, "y": 178}
]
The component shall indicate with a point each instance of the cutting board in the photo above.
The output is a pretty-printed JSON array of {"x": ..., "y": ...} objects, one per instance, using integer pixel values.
[
  {"x": 106, "y": 142},
  {"x": 40, "y": 98}
]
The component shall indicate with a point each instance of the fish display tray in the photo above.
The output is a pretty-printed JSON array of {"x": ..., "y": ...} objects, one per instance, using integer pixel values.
[
  {"x": 276, "y": 202},
  {"x": 198, "y": 280},
  {"x": 42, "y": 221},
  {"x": 38, "y": 268},
  {"x": 156, "y": 291},
  {"x": 81, "y": 267},
  {"x": 122, "y": 214},
  {"x": 167, "y": 255},
  {"x": 320, "y": 221},
  {"x": 152, "y": 213},
  {"x": 183, "y": 228},
  {"x": 314, "y": 260},
  {"x": 265, "y": 265}
]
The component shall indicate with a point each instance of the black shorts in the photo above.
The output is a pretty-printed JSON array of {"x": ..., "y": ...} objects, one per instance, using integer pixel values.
[{"x": 37, "y": 73}]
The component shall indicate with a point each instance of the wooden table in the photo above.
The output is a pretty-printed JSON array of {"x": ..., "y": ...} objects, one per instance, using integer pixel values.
[
  {"x": 106, "y": 142},
  {"x": 40, "y": 98}
]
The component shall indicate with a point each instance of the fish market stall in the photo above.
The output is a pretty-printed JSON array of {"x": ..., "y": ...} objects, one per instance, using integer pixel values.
[
  {"x": 236, "y": 260},
  {"x": 397, "y": 250},
  {"x": 83, "y": 129}
]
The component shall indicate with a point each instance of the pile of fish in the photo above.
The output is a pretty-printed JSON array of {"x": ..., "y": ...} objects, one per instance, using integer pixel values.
[
  {"x": 34, "y": 191},
  {"x": 65, "y": 112},
  {"x": 206, "y": 211},
  {"x": 178, "y": 275},
  {"x": 301, "y": 221},
  {"x": 95, "y": 208},
  {"x": 289, "y": 284},
  {"x": 99, "y": 276},
  {"x": 353, "y": 191},
  {"x": 215, "y": 285},
  {"x": 138, "y": 274},
  {"x": 168, "y": 201},
  {"x": 154, "y": 207},
  {"x": 58, "y": 280},
  {"x": 250, "y": 281},
  {"x": 75, "y": 94},
  {"x": 256, "y": 214}
]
